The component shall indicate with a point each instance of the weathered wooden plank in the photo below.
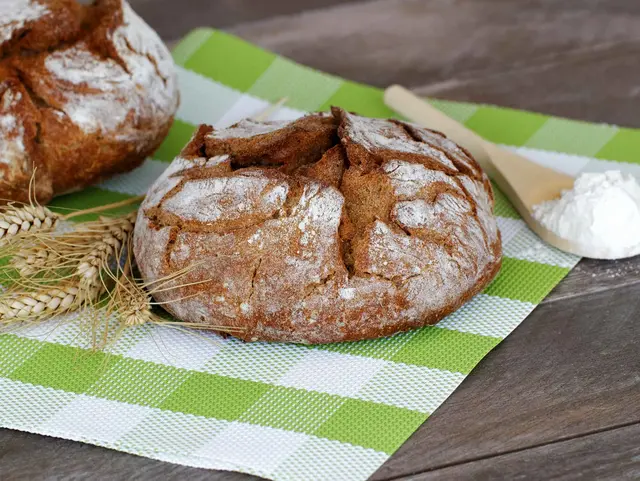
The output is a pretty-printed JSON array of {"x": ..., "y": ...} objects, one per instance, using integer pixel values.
[
  {"x": 611, "y": 455},
  {"x": 610, "y": 95},
  {"x": 173, "y": 19},
  {"x": 591, "y": 276},
  {"x": 576, "y": 59},
  {"x": 571, "y": 368},
  {"x": 30, "y": 456}
]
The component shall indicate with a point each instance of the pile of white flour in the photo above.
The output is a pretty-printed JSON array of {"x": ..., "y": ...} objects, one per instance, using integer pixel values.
[{"x": 601, "y": 214}]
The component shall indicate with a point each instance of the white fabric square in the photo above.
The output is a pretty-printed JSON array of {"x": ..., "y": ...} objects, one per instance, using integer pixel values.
[
  {"x": 50, "y": 330},
  {"x": 324, "y": 460},
  {"x": 177, "y": 348},
  {"x": 197, "y": 461},
  {"x": 561, "y": 162},
  {"x": 25, "y": 406},
  {"x": 95, "y": 418},
  {"x": 598, "y": 165},
  {"x": 138, "y": 181},
  {"x": 509, "y": 228},
  {"x": 244, "y": 107},
  {"x": 171, "y": 432},
  {"x": 526, "y": 245},
  {"x": 73, "y": 332},
  {"x": 260, "y": 447},
  {"x": 249, "y": 106},
  {"x": 488, "y": 316},
  {"x": 202, "y": 100},
  {"x": 286, "y": 113},
  {"x": 331, "y": 372},
  {"x": 412, "y": 387},
  {"x": 255, "y": 361}
]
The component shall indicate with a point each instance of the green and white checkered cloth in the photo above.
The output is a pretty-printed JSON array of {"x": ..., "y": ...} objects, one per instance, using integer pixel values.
[{"x": 283, "y": 411}]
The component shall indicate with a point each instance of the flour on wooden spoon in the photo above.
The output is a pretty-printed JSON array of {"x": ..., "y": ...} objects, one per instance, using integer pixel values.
[{"x": 601, "y": 214}]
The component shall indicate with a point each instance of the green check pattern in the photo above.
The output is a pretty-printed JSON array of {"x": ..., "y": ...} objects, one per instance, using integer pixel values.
[{"x": 283, "y": 411}]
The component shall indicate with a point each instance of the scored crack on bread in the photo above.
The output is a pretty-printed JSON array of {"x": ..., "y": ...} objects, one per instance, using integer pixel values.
[
  {"x": 356, "y": 228},
  {"x": 85, "y": 92},
  {"x": 282, "y": 143}
]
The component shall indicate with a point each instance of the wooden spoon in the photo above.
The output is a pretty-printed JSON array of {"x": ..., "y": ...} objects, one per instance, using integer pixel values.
[{"x": 524, "y": 182}]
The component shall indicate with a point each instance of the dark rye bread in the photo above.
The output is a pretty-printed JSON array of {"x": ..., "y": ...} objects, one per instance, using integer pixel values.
[
  {"x": 86, "y": 91},
  {"x": 324, "y": 229}
]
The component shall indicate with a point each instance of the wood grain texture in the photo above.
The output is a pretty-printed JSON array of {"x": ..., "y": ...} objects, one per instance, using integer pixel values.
[
  {"x": 556, "y": 399},
  {"x": 610, "y": 455},
  {"x": 172, "y": 19},
  {"x": 591, "y": 276},
  {"x": 26, "y": 456},
  {"x": 576, "y": 59}
]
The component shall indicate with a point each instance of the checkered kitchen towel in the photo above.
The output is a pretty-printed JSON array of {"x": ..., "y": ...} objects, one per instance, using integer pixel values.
[{"x": 285, "y": 411}]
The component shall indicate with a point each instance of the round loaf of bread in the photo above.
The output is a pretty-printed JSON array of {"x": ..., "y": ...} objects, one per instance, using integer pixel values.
[
  {"x": 85, "y": 92},
  {"x": 324, "y": 229}
]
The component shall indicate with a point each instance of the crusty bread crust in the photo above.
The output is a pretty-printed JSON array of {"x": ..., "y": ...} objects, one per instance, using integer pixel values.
[
  {"x": 325, "y": 229},
  {"x": 85, "y": 92}
]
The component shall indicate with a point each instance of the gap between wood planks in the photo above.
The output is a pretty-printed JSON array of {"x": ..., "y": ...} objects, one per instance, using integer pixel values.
[
  {"x": 598, "y": 290},
  {"x": 512, "y": 451},
  {"x": 533, "y": 64},
  {"x": 603, "y": 276}
]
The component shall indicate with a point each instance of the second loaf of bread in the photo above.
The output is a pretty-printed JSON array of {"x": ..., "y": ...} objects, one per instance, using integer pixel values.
[{"x": 86, "y": 91}]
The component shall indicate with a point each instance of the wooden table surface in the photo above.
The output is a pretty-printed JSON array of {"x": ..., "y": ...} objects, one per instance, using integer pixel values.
[{"x": 560, "y": 398}]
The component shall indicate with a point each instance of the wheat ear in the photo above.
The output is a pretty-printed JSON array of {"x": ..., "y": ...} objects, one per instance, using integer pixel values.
[
  {"x": 30, "y": 261},
  {"x": 129, "y": 300},
  {"x": 61, "y": 273},
  {"x": 107, "y": 248},
  {"x": 37, "y": 304},
  {"x": 16, "y": 221},
  {"x": 132, "y": 303}
]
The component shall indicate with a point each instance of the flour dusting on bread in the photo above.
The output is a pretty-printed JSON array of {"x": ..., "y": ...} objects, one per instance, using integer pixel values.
[
  {"x": 16, "y": 14},
  {"x": 12, "y": 148},
  {"x": 411, "y": 179},
  {"x": 378, "y": 134},
  {"x": 108, "y": 103},
  {"x": 99, "y": 94},
  {"x": 227, "y": 199},
  {"x": 376, "y": 232}
]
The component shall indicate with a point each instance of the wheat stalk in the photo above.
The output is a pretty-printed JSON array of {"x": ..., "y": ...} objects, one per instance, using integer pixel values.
[
  {"x": 17, "y": 221},
  {"x": 33, "y": 260},
  {"x": 129, "y": 300},
  {"x": 132, "y": 304},
  {"x": 70, "y": 271},
  {"x": 80, "y": 256},
  {"x": 270, "y": 110},
  {"x": 104, "y": 250},
  {"x": 37, "y": 304},
  {"x": 64, "y": 272}
]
